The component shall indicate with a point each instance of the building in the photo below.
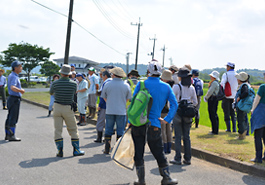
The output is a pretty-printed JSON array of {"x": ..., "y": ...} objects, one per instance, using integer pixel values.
[{"x": 81, "y": 64}]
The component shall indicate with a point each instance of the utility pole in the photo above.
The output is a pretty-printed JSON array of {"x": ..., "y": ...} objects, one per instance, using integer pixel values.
[
  {"x": 153, "y": 54},
  {"x": 68, "y": 35},
  {"x": 171, "y": 61},
  {"x": 137, "y": 45},
  {"x": 127, "y": 62},
  {"x": 163, "y": 49}
]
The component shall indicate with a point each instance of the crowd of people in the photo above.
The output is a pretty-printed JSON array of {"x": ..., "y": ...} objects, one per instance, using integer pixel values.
[{"x": 170, "y": 89}]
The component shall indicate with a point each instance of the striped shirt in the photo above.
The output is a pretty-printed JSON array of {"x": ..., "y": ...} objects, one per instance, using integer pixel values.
[{"x": 63, "y": 90}]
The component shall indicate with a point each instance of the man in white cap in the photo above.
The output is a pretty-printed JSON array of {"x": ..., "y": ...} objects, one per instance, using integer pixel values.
[
  {"x": 151, "y": 132},
  {"x": 92, "y": 97},
  {"x": 2, "y": 88},
  {"x": 228, "y": 82},
  {"x": 115, "y": 93},
  {"x": 63, "y": 91}
]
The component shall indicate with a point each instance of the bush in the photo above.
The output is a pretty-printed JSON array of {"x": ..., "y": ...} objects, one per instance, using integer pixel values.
[{"x": 6, "y": 91}]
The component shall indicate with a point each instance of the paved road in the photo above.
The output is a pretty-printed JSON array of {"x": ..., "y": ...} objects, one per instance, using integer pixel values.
[
  {"x": 33, "y": 161},
  {"x": 37, "y": 89}
]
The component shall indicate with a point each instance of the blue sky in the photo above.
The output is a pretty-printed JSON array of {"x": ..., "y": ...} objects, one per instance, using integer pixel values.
[{"x": 205, "y": 34}]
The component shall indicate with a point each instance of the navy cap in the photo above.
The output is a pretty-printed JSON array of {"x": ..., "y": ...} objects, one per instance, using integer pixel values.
[
  {"x": 72, "y": 65},
  {"x": 195, "y": 72},
  {"x": 16, "y": 63},
  {"x": 80, "y": 75}
]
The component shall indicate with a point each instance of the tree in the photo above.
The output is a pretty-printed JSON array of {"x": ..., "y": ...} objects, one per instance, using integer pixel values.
[
  {"x": 49, "y": 68},
  {"x": 29, "y": 55}
]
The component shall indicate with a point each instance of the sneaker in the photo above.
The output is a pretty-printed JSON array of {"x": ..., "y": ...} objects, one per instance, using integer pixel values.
[
  {"x": 173, "y": 161},
  {"x": 187, "y": 162},
  {"x": 4, "y": 108},
  {"x": 255, "y": 160}
]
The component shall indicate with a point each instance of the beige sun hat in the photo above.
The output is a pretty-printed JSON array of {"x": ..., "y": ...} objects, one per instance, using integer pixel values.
[
  {"x": 118, "y": 72},
  {"x": 66, "y": 69},
  {"x": 215, "y": 74},
  {"x": 174, "y": 67},
  {"x": 167, "y": 75},
  {"x": 242, "y": 76},
  {"x": 2, "y": 70}
]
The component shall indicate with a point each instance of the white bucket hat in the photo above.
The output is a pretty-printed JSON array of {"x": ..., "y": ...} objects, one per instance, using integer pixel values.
[
  {"x": 215, "y": 74},
  {"x": 166, "y": 75},
  {"x": 66, "y": 69},
  {"x": 154, "y": 68},
  {"x": 118, "y": 71},
  {"x": 242, "y": 76}
]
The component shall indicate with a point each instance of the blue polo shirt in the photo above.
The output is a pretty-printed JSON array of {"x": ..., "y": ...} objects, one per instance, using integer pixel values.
[
  {"x": 13, "y": 80},
  {"x": 161, "y": 92}
]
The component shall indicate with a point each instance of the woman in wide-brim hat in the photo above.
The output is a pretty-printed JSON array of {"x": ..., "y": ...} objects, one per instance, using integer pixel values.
[
  {"x": 242, "y": 124},
  {"x": 211, "y": 98}
]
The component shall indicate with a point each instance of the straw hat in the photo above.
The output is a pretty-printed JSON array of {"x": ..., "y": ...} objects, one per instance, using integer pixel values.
[
  {"x": 118, "y": 72},
  {"x": 215, "y": 74},
  {"x": 167, "y": 75},
  {"x": 2, "y": 70},
  {"x": 242, "y": 76},
  {"x": 66, "y": 69}
]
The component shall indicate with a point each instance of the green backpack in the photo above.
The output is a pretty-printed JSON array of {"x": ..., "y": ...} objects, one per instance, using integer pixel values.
[{"x": 138, "y": 111}]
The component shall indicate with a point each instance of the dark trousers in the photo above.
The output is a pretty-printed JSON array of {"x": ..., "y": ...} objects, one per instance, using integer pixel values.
[
  {"x": 212, "y": 110},
  {"x": 229, "y": 113},
  {"x": 241, "y": 121},
  {"x": 182, "y": 130},
  {"x": 13, "y": 105},
  {"x": 3, "y": 94},
  {"x": 259, "y": 134},
  {"x": 154, "y": 140}
]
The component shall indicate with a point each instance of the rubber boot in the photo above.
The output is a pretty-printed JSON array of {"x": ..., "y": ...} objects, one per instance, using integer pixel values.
[
  {"x": 164, "y": 172},
  {"x": 89, "y": 114},
  {"x": 99, "y": 138},
  {"x": 49, "y": 113},
  {"x": 165, "y": 148},
  {"x": 80, "y": 120},
  {"x": 7, "y": 133},
  {"x": 169, "y": 147},
  {"x": 77, "y": 151},
  {"x": 11, "y": 134},
  {"x": 83, "y": 120},
  {"x": 196, "y": 122},
  {"x": 59, "y": 145},
  {"x": 107, "y": 144},
  {"x": 140, "y": 174}
]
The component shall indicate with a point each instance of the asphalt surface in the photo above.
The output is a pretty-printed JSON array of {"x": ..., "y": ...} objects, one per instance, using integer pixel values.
[{"x": 33, "y": 161}]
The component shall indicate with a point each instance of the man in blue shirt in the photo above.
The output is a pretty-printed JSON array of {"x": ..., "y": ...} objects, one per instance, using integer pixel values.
[
  {"x": 13, "y": 103},
  {"x": 2, "y": 88},
  {"x": 161, "y": 93}
]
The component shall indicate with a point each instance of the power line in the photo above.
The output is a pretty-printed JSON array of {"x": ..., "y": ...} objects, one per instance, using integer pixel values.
[
  {"x": 110, "y": 20},
  {"x": 79, "y": 26}
]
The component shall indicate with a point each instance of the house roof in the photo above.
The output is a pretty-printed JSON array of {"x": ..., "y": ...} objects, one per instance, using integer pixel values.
[{"x": 73, "y": 59}]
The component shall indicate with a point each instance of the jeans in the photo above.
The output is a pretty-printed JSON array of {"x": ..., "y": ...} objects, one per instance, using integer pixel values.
[
  {"x": 258, "y": 135},
  {"x": 229, "y": 112},
  {"x": 241, "y": 121},
  {"x": 212, "y": 109},
  {"x": 51, "y": 102},
  {"x": 13, "y": 105},
  {"x": 182, "y": 128},
  {"x": 154, "y": 140},
  {"x": 120, "y": 121}
]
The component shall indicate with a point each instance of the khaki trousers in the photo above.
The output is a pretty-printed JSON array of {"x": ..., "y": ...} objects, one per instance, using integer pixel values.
[{"x": 64, "y": 113}]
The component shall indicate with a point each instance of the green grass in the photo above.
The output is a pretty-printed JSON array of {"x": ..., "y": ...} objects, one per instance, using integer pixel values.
[{"x": 39, "y": 97}]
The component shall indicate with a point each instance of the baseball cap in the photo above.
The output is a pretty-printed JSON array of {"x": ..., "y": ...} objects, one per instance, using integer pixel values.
[
  {"x": 15, "y": 63},
  {"x": 230, "y": 64}
]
